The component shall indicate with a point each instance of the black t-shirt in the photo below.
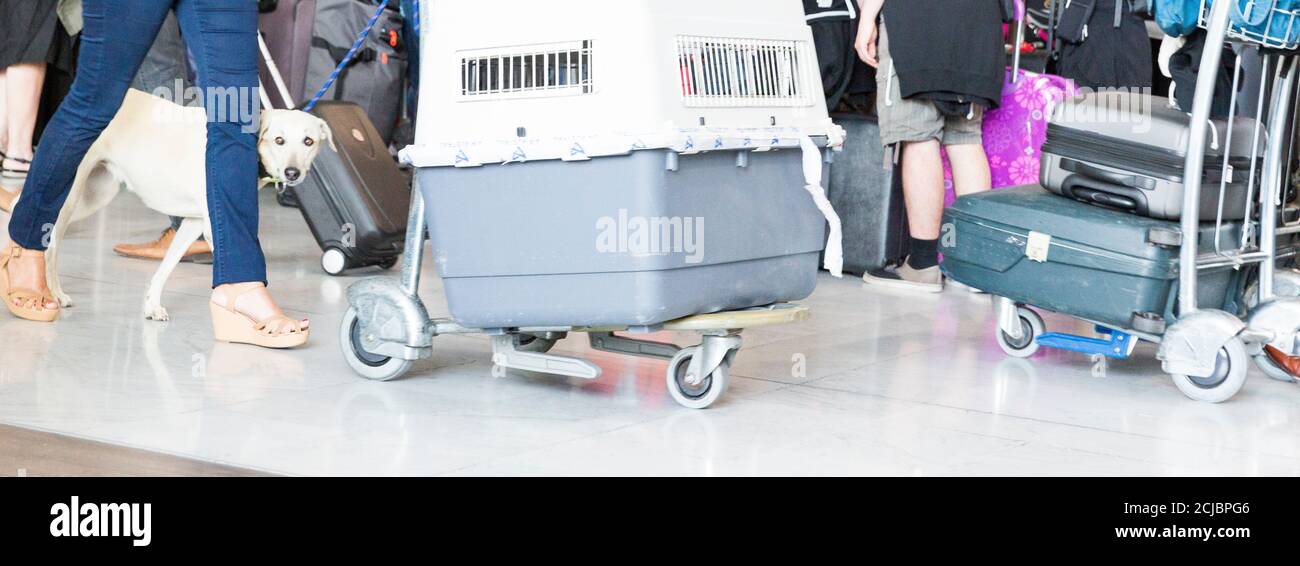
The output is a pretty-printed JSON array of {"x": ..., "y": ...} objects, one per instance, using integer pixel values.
[{"x": 949, "y": 46}]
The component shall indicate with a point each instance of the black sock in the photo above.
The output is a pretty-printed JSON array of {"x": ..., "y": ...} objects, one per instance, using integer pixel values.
[{"x": 925, "y": 254}]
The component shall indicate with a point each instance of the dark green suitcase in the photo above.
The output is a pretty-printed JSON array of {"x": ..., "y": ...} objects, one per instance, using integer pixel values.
[{"x": 1105, "y": 266}]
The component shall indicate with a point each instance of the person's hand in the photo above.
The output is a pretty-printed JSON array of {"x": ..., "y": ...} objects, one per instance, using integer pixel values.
[{"x": 866, "y": 45}]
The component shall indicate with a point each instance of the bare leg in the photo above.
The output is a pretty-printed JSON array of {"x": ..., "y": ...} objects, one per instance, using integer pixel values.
[
  {"x": 970, "y": 169},
  {"x": 923, "y": 188},
  {"x": 23, "y": 84},
  {"x": 4, "y": 113}
]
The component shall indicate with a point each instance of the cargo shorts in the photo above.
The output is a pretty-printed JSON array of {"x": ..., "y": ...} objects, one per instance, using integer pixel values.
[{"x": 903, "y": 120}]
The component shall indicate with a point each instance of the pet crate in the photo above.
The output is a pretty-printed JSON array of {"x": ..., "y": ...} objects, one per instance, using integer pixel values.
[{"x": 552, "y": 132}]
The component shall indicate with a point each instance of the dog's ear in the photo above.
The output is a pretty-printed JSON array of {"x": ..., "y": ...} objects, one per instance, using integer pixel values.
[
  {"x": 327, "y": 134},
  {"x": 264, "y": 122}
]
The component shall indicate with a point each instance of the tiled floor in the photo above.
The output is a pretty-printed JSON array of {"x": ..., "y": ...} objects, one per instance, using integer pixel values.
[{"x": 890, "y": 384}]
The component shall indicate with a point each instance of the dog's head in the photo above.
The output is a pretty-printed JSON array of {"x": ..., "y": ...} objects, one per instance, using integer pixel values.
[{"x": 289, "y": 142}]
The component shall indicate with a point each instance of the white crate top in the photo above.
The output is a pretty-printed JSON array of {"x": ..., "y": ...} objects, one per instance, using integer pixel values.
[{"x": 518, "y": 80}]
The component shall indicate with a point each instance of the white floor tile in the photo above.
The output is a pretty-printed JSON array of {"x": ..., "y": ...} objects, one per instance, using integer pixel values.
[{"x": 877, "y": 382}]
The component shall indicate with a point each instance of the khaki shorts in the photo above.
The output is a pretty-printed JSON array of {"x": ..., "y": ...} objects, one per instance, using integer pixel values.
[{"x": 903, "y": 120}]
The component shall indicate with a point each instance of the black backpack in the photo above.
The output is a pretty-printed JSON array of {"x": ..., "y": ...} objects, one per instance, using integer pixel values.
[{"x": 834, "y": 25}]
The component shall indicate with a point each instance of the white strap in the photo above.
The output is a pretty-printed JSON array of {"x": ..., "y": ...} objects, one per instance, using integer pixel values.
[
  {"x": 812, "y": 174},
  {"x": 889, "y": 85}
]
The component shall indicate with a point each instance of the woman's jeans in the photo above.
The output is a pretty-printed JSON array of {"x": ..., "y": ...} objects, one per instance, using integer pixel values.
[{"x": 222, "y": 35}]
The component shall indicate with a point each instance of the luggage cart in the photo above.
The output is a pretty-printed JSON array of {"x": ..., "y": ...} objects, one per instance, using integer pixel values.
[
  {"x": 387, "y": 328},
  {"x": 567, "y": 158},
  {"x": 1208, "y": 351}
]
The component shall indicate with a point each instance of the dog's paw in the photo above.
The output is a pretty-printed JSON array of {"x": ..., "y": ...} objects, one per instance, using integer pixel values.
[
  {"x": 157, "y": 313},
  {"x": 64, "y": 300}
]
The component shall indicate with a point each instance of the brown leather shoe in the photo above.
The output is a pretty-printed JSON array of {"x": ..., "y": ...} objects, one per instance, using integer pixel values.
[
  {"x": 7, "y": 199},
  {"x": 199, "y": 252},
  {"x": 1289, "y": 363}
]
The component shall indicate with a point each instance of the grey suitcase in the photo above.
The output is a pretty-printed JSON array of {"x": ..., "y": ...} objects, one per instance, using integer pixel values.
[
  {"x": 375, "y": 77},
  {"x": 868, "y": 196},
  {"x": 622, "y": 240},
  {"x": 1127, "y": 151},
  {"x": 1105, "y": 266}
]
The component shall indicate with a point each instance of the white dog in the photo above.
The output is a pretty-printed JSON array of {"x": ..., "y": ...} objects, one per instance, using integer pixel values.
[{"x": 156, "y": 149}]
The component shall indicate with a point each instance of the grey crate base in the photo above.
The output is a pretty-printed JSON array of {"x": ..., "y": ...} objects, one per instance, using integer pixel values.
[
  {"x": 516, "y": 245},
  {"x": 629, "y": 298}
]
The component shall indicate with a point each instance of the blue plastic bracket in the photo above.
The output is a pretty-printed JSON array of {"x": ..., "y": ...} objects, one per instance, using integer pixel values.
[{"x": 1116, "y": 344}]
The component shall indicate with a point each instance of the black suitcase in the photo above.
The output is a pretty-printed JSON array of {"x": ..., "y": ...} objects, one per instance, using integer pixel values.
[
  {"x": 868, "y": 196},
  {"x": 356, "y": 199}
]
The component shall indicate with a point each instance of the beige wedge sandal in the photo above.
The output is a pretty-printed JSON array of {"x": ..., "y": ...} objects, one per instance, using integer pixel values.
[
  {"x": 27, "y": 304},
  {"x": 279, "y": 332}
]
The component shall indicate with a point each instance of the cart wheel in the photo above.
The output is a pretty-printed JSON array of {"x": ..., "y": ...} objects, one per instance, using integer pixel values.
[
  {"x": 368, "y": 365},
  {"x": 1031, "y": 325},
  {"x": 708, "y": 391},
  {"x": 1271, "y": 369},
  {"x": 533, "y": 343},
  {"x": 1229, "y": 375},
  {"x": 334, "y": 261}
]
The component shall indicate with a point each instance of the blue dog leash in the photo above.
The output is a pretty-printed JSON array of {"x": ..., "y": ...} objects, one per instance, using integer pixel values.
[{"x": 356, "y": 46}]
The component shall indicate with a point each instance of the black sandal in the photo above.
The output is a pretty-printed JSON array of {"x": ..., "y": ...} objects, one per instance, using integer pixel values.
[{"x": 15, "y": 173}]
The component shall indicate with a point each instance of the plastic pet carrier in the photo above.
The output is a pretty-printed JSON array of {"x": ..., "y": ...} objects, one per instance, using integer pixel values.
[
  {"x": 609, "y": 167},
  {"x": 629, "y": 162}
]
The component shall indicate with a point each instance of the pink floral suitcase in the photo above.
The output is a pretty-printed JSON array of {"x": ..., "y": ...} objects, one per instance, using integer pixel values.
[{"x": 1015, "y": 132}]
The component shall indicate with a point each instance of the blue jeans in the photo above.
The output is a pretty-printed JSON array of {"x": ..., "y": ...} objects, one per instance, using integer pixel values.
[{"x": 222, "y": 34}]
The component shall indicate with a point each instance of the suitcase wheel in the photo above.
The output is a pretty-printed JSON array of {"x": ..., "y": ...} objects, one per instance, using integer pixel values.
[{"x": 334, "y": 261}]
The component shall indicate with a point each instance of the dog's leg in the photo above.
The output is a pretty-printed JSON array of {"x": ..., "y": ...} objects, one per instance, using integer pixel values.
[
  {"x": 59, "y": 230},
  {"x": 186, "y": 235}
]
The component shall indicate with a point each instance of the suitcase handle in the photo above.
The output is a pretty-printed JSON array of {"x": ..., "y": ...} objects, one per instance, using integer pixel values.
[
  {"x": 1110, "y": 177},
  {"x": 1106, "y": 194}
]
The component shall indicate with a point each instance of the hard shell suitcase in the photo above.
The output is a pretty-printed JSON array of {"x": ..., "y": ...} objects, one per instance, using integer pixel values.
[
  {"x": 355, "y": 199},
  {"x": 288, "y": 32},
  {"x": 1101, "y": 265},
  {"x": 1126, "y": 151},
  {"x": 375, "y": 77},
  {"x": 868, "y": 197}
]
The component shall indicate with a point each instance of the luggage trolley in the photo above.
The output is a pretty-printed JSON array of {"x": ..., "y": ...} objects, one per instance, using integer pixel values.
[
  {"x": 1208, "y": 351},
  {"x": 626, "y": 168}
]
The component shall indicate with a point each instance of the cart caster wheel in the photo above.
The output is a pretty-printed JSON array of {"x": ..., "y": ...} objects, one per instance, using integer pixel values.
[
  {"x": 334, "y": 261},
  {"x": 1229, "y": 374},
  {"x": 388, "y": 263},
  {"x": 1271, "y": 369},
  {"x": 1031, "y": 324},
  {"x": 367, "y": 365},
  {"x": 708, "y": 391},
  {"x": 533, "y": 343}
]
